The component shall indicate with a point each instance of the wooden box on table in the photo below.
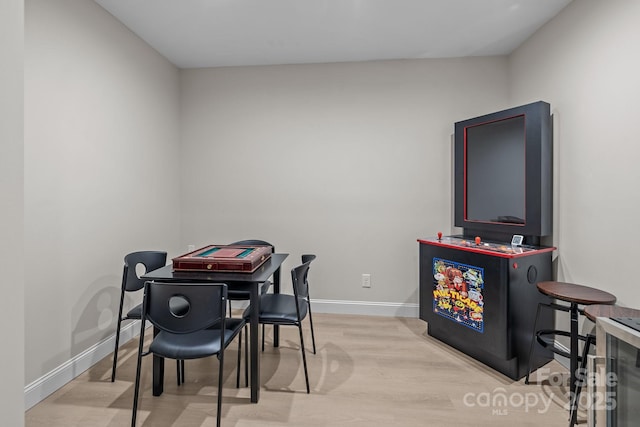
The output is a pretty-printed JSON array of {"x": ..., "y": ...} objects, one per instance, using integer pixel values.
[{"x": 229, "y": 258}]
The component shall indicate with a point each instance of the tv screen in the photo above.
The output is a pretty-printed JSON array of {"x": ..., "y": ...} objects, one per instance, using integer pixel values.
[
  {"x": 495, "y": 184},
  {"x": 503, "y": 173}
]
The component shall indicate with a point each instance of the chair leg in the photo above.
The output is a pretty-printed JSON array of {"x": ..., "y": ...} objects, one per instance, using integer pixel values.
[
  {"x": 575, "y": 399},
  {"x": 220, "y": 374},
  {"x": 136, "y": 389},
  {"x": 263, "y": 337},
  {"x": 533, "y": 339},
  {"x": 313, "y": 338},
  {"x": 238, "y": 364},
  {"x": 304, "y": 357},
  {"x": 180, "y": 371},
  {"x": 246, "y": 357},
  {"x": 115, "y": 350}
]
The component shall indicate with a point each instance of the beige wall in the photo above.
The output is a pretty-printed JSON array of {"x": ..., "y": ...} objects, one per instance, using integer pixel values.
[
  {"x": 585, "y": 65},
  {"x": 11, "y": 206},
  {"x": 101, "y": 143},
  {"x": 347, "y": 161}
]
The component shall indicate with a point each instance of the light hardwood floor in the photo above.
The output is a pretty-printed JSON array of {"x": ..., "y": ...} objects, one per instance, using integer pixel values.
[{"x": 369, "y": 371}]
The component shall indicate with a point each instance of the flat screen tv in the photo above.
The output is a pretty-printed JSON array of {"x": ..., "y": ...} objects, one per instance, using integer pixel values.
[{"x": 503, "y": 169}]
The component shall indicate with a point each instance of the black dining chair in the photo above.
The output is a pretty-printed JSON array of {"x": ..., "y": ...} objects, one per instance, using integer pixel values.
[
  {"x": 286, "y": 309},
  {"x": 131, "y": 283},
  {"x": 191, "y": 323}
]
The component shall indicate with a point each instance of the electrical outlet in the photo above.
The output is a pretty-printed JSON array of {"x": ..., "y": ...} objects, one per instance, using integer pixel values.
[{"x": 366, "y": 280}]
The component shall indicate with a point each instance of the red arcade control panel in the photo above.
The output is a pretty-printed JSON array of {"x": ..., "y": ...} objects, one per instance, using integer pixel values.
[{"x": 499, "y": 249}]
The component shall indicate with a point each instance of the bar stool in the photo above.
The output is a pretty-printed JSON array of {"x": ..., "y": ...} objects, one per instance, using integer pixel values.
[{"x": 575, "y": 295}]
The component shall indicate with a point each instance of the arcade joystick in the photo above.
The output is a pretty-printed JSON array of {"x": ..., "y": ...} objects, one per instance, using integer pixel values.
[
  {"x": 478, "y": 240},
  {"x": 439, "y": 235}
]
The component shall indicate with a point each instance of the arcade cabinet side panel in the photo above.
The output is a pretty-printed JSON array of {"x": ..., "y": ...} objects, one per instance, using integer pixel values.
[
  {"x": 524, "y": 298},
  {"x": 426, "y": 284}
]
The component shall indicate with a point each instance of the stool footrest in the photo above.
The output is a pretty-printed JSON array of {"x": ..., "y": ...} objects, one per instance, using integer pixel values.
[{"x": 545, "y": 337}]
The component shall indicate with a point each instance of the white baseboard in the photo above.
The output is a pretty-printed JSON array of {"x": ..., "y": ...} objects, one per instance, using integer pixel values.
[
  {"x": 560, "y": 359},
  {"x": 367, "y": 308},
  {"x": 52, "y": 381},
  {"x": 38, "y": 390}
]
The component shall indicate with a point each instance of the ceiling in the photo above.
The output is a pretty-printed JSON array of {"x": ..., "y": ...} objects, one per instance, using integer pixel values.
[{"x": 218, "y": 33}]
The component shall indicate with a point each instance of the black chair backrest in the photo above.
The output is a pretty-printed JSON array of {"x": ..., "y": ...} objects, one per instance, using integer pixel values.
[
  {"x": 183, "y": 308},
  {"x": 151, "y": 260},
  {"x": 253, "y": 242},
  {"x": 300, "y": 285},
  {"x": 307, "y": 258}
]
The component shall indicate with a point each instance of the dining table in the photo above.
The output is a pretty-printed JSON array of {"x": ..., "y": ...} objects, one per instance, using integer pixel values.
[{"x": 241, "y": 281}]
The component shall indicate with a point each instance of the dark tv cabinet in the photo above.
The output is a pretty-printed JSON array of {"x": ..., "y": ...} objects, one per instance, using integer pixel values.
[{"x": 482, "y": 299}]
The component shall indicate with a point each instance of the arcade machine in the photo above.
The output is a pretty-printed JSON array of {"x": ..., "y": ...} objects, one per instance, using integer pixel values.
[{"x": 478, "y": 290}]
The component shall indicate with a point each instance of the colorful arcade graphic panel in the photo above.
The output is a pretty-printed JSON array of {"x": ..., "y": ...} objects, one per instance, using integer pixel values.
[{"x": 457, "y": 293}]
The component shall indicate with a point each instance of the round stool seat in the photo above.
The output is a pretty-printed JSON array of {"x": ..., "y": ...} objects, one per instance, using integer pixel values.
[
  {"x": 576, "y": 294},
  {"x": 599, "y": 310}
]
